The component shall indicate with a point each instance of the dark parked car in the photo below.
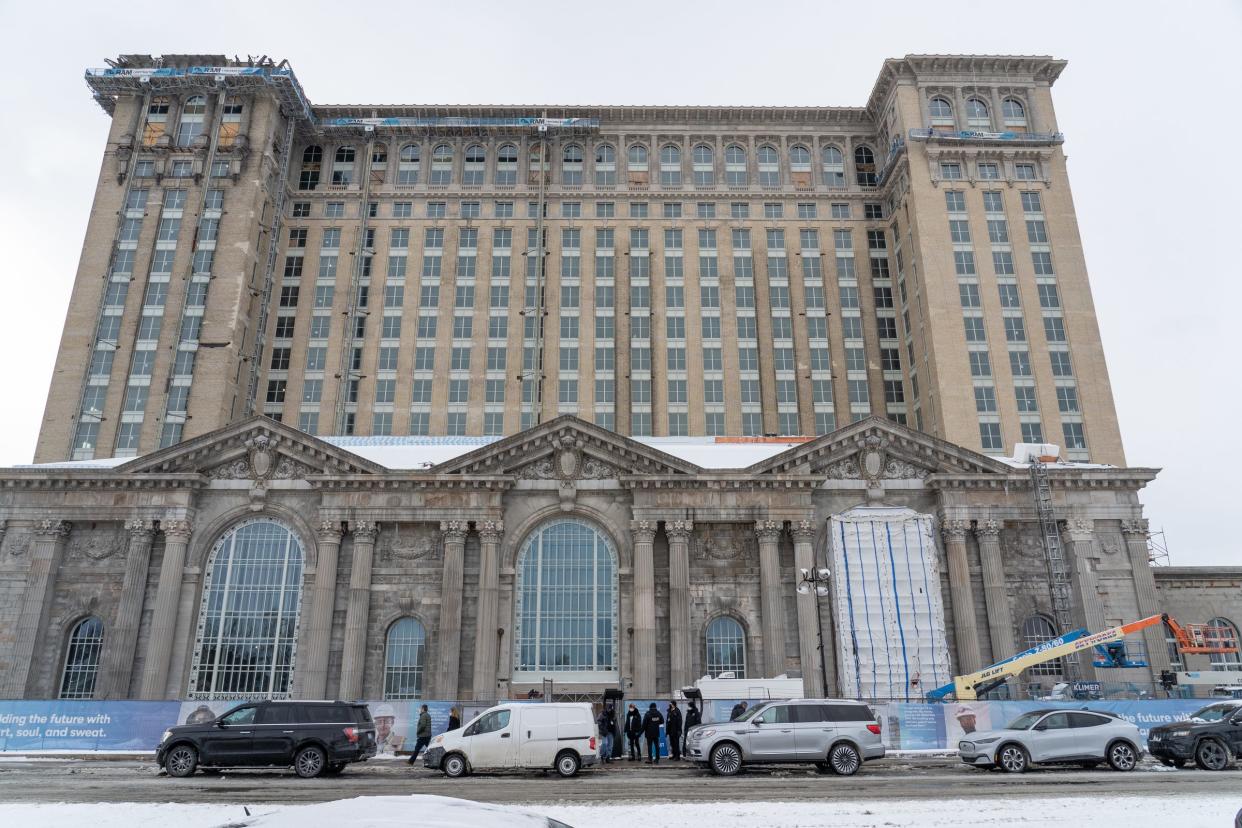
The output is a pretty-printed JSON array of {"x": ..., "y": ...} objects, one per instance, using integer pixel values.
[
  {"x": 313, "y": 736},
  {"x": 1212, "y": 737}
]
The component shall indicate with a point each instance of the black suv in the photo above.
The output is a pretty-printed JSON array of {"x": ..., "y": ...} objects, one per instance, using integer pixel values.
[
  {"x": 313, "y": 736},
  {"x": 1212, "y": 737}
]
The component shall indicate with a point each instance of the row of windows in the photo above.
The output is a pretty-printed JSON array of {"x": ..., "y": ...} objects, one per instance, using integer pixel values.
[
  {"x": 191, "y": 121},
  {"x": 602, "y": 210},
  {"x": 978, "y": 112}
]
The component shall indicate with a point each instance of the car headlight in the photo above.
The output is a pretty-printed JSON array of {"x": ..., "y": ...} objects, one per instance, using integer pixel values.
[
  {"x": 437, "y": 740},
  {"x": 165, "y": 737},
  {"x": 711, "y": 731},
  {"x": 1178, "y": 734},
  {"x": 965, "y": 746},
  {"x": 987, "y": 741}
]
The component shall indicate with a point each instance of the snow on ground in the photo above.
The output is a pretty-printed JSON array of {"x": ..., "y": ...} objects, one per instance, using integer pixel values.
[{"x": 1131, "y": 811}]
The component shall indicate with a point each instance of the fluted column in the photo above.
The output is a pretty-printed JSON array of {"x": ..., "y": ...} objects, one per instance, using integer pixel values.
[
  {"x": 449, "y": 640},
  {"x": 121, "y": 641},
  {"x": 357, "y": 616},
  {"x": 485, "y": 638},
  {"x": 995, "y": 595},
  {"x": 312, "y": 667},
  {"x": 808, "y": 614},
  {"x": 1080, "y": 542},
  {"x": 1147, "y": 599},
  {"x": 680, "y": 651},
  {"x": 167, "y": 601},
  {"x": 644, "y": 672},
  {"x": 770, "y": 593},
  {"x": 36, "y": 602},
  {"x": 962, "y": 596}
]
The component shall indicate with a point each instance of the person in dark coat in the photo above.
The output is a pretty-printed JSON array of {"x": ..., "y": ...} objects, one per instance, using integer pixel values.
[
  {"x": 672, "y": 727},
  {"x": 422, "y": 734},
  {"x": 607, "y": 724},
  {"x": 633, "y": 730},
  {"x": 651, "y": 729},
  {"x": 454, "y": 719},
  {"x": 738, "y": 710},
  {"x": 693, "y": 719}
]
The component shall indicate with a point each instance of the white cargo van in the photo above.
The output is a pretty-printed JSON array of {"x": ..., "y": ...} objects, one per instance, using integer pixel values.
[{"x": 537, "y": 735}]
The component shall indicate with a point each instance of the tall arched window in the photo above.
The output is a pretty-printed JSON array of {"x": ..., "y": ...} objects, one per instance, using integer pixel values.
[
  {"x": 343, "y": 166},
  {"x": 157, "y": 121},
  {"x": 1035, "y": 631},
  {"x": 834, "y": 167},
  {"x": 1014, "y": 112},
  {"x": 977, "y": 114},
  {"x": 864, "y": 166},
  {"x": 941, "y": 112},
  {"x": 1225, "y": 661},
  {"x": 474, "y": 166},
  {"x": 726, "y": 647},
  {"x": 379, "y": 163},
  {"x": 442, "y": 165},
  {"x": 704, "y": 166},
  {"x": 571, "y": 165},
  {"x": 248, "y": 622},
  {"x": 312, "y": 162},
  {"x": 77, "y": 680},
  {"x": 408, "y": 164},
  {"x": 605, "y": 165},
  {"x": 230, "y": 122},
  {"x": 404, "y": 655},
  {"x": 735, "y": 165},
  {"x": 538, "y": 164},
  {"x": 566, "y": 603},
  {"x": 670, "y": 166},
  {"x": 191, "y": 124},
  {"x": 799, "y": 158},
  {"x": 769, "y": 166},
  {"x": 637, "y": 158},
  {"x": 506, "y": 165}
]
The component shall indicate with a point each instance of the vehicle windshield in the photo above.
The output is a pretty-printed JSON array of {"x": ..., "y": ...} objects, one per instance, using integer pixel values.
[
  {"x": 751, "y": 713},
  {"x": 1214, "y": 713},
  {"x": 1025, "y": 721}
]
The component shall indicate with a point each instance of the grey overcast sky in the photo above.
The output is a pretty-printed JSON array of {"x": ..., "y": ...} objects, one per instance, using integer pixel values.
[{"x": 1152, "y": 91}]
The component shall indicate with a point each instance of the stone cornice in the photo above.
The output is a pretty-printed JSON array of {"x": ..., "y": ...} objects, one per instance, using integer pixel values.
[
  {"x": 1057, "y": 479},
  {"x": 711, "y": 481},
  {"x": 408, "y": 481},
  {"x": 1009, "y": 69},
  {"x": 67, "y": 480}
]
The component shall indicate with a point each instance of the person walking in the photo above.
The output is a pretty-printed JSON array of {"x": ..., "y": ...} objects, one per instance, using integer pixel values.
[
  {"x": 693, "y": 719},
  {"x": 651, "y": 729},
  {"x": 738, "y": 710},
  {"x": 454, "y": 719},
  {"x": 633, "y": 730},
  {"x": 606, "y": 724},
  {"x": 672, "y": 727},
  {"x": 422, "y": 734}
]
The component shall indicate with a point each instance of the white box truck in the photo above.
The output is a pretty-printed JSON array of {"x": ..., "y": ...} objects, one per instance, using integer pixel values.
[{"x": 541, "y": 736}]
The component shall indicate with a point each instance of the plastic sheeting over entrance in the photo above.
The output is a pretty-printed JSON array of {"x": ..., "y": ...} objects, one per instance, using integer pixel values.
[{"x": 889, "y": 613}]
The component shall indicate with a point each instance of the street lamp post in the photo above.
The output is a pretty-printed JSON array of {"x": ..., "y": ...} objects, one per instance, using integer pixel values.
[{"x": 816, "y": 580}]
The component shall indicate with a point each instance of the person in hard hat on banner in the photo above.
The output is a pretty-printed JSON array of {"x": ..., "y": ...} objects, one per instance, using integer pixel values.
[{"x": 388, "y": 739}]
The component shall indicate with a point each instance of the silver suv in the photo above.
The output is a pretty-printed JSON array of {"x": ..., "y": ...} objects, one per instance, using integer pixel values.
[{"x": 832, "y": 734}]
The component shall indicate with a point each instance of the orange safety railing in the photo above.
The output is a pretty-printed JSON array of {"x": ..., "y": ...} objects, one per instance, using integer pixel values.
[{"x": 1203, "y": 638}]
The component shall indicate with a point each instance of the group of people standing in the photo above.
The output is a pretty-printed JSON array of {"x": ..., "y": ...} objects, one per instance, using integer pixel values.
[{"x": 646, "y": 726}]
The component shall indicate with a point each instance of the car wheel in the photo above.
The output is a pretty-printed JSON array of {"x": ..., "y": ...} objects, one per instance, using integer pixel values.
[
  {"x": 1212, "y": 755},
  {"x": 454, "y": 765},
  {"x": 181, "y": 761},
  {"x": 310, "y": 762},
  {"x": 844, "y": 760},
  {"x": 726, "y": 760},
  {"x": 1122, "y": 756},
  {"x": 1013, "y": 759},
  {"x": 1173, "y": 763},
  {"x": 567, "y": 764}
]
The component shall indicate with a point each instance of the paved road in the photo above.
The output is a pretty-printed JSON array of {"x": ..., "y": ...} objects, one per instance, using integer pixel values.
[{"x": 893, "y": 778}]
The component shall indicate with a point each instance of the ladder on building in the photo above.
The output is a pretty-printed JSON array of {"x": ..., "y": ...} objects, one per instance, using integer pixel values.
[{"x": 1058, "y": 572}]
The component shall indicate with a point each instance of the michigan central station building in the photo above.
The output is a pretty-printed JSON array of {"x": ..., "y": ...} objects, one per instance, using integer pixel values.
[{"x": 404, "y": 402}]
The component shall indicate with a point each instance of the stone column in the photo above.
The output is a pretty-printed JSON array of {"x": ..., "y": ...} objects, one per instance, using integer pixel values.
[
  {"x": 680, "y": 650},
  {"x": 967, "y": 635},
  {"x": 1148, "y": 601},
  {"x": 167, "y": 600},
  {"x": 995, "y": 596},
  {"x": 312, "y": 668},
  {"x": 809, "y": 638},
  {"x": 29, "y": 634},
  {"x": 485, "y": 644},
  {"x": 644, "y": 672},
  {"x": 770, "y": 595},
  {"x": 448, "y": 642},
  {"x": 120, "y": 643},
  {"x": 357, "y": 616},
  {"x": 1080, "y": 543}
]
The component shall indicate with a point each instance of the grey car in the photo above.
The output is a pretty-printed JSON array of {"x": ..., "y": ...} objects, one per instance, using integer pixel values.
[
  {"x": 1083, "y": 737},
  {"x": 833, "y": 734}
]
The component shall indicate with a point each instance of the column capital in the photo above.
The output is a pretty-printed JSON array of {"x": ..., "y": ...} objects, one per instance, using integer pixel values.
[
  {"x": 769, "y": 530},
  {"x": 176, "y": 529},
  {"x": 454, "y": 530},
  {"x": 53, "y": 528},
  {"x": 490, "y": 530},
  {"x": 1079, "y": 530},
  {"x": 681, "y": 529},
  {"x": 329, "y": 531},
  {"x": 364, "y": 531},
  {"x": 989, "y": 529},
  {"x": 803, "y": 531},
  {"x": 643, "y": 530},
  {"x": 954, "y": 531},
  {"x": 1135, "y": 529},
  {"x": 139, "y": 526}
]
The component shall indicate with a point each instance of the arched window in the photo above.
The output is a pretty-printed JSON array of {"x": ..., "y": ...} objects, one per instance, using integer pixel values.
[
  {"x": 442, "y": 165},
  {"x": 404, "y": 655},
  {"x": 769, "y": 166},
  {"x": 571, "y": 165},
  {"x": 248, "y": 622},
  {"x": 379, "y": 163},
  {"x": 977, "y": 114},
  {"x": 726, "y": 647},
  {"x": 864, "y": 166},
  {"x": 77, "y": 680},
  {"x": 157, "y": 121},
  {"x": 408, "y": 164},
  {"x": 230, "y": 122},
  {"x": 941, "y": 112},
  {"x": 670, "y": 166},
  {"x": 637, "y": 158},
  {"x": 799, "y": 158},
  {"x": 704, "y": 166},
  {"x": 343, "y": 166},
  {"x": 735, "y": 165},
  {"x": 834, "y": 167},
  {"x": 312, "y": 162},
  {"x": 191, "y": 124},
  {"x": 1014, "y": 112},
  {"x": 1035, "y": 631},
  {"x": 566, "y": 603},
  {"x": 1225, "y": 661},
  {"x": 506, "y": 165},
  {"x": 474, "y": 167},
  {"x": 605, "y": 165},
  {"x": 538, "y": 163}
]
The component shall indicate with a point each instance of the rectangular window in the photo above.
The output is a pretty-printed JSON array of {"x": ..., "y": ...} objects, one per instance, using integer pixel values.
[
  {"x": 1074, "y": 437},
  {"x": 1024, "y": 395},
  {"x": 990, "y": 436},
  {"x": 705, "y": 210},
  {"x": 955, "y": 201},
  {"x": 1020, "y": 363}
]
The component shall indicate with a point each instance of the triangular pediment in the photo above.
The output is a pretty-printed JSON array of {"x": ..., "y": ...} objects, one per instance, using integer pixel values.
[
  {"x": 567, "y": 448},
  {"x": 878, "y": 448},
  {"x": 255, "y": 448}
]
